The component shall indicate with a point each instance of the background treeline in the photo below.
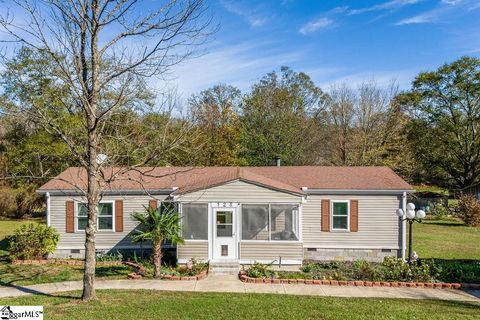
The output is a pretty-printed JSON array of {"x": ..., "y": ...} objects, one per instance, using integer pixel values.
[{"x": 429, "y": 134}]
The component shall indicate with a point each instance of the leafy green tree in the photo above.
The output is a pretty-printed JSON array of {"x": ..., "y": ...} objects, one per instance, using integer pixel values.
[
  {"x": 214, "y": 112},
  {"x": 445, "y": 133},
  {"x": 281, "y": 117},
  {"x": 158, "y": 226}
]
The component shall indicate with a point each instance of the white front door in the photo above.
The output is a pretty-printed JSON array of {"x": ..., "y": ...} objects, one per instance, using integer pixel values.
[{"x": 224, "y": 237}]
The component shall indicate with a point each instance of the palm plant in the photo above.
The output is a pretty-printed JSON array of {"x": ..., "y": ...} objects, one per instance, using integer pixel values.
[{"x": 157, "y": 226}]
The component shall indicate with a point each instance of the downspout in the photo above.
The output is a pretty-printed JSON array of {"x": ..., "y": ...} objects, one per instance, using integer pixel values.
[
  {"x": 404, "y": 226},
  {"x": 47, "y": 195}
]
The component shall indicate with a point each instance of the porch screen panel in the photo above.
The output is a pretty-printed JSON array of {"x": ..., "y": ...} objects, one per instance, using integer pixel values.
[
  {"x": 284, "y": 222},
  {"x": 195, "y": 221},
  {"x": 254, "y": 222}
]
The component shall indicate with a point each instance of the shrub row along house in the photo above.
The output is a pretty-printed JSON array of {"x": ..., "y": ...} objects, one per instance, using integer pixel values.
[{"x": 243, "y": 214}]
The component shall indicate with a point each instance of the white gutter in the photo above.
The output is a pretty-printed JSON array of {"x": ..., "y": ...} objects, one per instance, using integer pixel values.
[
  {"x": 58, "y": 192},
  {"x": 47, "y": 195},
  {"x": 356, "y": 191},
  {"x": 403, "y": 243}
]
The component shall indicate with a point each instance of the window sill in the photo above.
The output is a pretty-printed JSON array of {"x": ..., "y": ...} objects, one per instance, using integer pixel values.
[
  {"x": 98, "y": 231},
  {"x": 271, "y": 241}
]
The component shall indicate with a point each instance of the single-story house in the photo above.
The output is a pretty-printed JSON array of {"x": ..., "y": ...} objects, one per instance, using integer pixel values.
[{"x": 288, "y": 214}]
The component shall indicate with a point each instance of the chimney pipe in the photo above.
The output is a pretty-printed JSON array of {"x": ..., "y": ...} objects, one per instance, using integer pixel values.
[{"x": 277, "y": 161}]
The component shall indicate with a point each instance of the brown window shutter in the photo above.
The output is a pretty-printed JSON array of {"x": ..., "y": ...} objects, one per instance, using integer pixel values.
[
  {"x": 118, "y": 215},
  {"x": 326, "y": 215},
  {"x": 70, "y": 217},
  {"x": 152, "y": 204},
  {"x": 353, "y": 215}
]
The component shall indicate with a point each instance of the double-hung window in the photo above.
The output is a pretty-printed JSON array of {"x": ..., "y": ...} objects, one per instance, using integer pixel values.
[
  {"x": 104, "y": 217},
  {"x": 340, "y": 215}
]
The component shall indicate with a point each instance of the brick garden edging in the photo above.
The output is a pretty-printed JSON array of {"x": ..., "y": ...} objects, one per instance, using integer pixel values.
[
  {"x": 202, "y": 275},
  {"x": 437, "y": 285},
  {"x": 72, "y": 262}
]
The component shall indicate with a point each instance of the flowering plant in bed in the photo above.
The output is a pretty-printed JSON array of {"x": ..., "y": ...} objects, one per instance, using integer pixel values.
[
  {"x": 391, "y": 269},
  {"x": 193, "y": 268}
]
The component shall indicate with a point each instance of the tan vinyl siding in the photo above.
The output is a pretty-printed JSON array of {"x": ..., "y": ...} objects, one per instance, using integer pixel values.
[
  {"x": 271, "y": 250},
  {"x": 239, "y": 191},
  {"x": 104, "y": 239},
  {"x": 378, "y": 226},
  {"x": 193, "y": 249}
]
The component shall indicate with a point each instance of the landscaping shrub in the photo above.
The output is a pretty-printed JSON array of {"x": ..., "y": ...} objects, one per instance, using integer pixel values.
[
  {"x": 457, "y": 271},
  {"x": 260, "y": 270},
  {"x": 391, "y": 269},
  {"x": 438, "y": 211},
  {"x": 8, "y": 203},
  {"x": 468, "y": 209},
  {"x": 193, "y": 267},
  {"x": 362, "y": 269},
  {"x": 32, "y": 241}
]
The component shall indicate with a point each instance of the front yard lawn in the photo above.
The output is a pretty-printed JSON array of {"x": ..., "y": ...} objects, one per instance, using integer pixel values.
[
  {"x": 146, "y": 304},
  {"x": 34, "y": 274},
  {"x": 446, "y": 239}
]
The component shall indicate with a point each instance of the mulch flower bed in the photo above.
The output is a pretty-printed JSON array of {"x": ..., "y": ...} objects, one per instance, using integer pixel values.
[
  {"x": 140, "y": 273},
  {"x": 437, "y": 285}
]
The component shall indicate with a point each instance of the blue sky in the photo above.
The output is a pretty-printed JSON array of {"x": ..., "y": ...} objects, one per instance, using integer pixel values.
[{"x": 333, "y": 41}]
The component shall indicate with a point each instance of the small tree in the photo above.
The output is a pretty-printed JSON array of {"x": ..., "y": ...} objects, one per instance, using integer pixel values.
[
  {"x": 157, "y": 226},
  {"x": 468, "y": 209}
]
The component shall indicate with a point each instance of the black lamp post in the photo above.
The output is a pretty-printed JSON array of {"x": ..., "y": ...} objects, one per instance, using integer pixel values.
[{"x": 410, "y": 216}]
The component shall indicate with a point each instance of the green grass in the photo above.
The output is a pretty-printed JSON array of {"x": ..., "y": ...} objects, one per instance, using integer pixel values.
[
  {"x": 145, "y": 304},
  {"x": 446, "y": 239},
  {"x": 435, "y": 189},
  {"x": 35, "y": 274}
]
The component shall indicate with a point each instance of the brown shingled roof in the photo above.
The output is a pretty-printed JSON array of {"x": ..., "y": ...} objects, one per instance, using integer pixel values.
[{"x": 188, "y": 179}]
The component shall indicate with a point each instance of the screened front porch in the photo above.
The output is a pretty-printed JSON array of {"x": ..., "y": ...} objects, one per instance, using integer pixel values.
[{"x": 241, "y": 231}]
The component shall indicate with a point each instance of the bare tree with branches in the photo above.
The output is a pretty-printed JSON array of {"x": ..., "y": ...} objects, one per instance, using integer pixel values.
[{"x": 103, "y": 52}]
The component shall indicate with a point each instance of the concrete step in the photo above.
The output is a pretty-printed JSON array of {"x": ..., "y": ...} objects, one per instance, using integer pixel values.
[{"x": 224, "y": 267}]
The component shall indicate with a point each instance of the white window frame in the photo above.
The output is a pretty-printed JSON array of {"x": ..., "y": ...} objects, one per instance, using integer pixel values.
[
  {"x": 332, "y": 202},
  {"x": 298, "y": 224},
  {"x": 77, "y": 203}
]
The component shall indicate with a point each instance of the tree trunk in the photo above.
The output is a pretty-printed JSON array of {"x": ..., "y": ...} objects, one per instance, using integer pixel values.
[
  {"x": 157, "y": 259},
  {"x": 93, "y": 190},
  {"x": 90, "y": 232}
]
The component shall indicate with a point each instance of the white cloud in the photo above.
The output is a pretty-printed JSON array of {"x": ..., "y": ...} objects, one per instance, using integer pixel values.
[
  {"x": 381, "y": 77},
  {"x": 315, "y": 25},
  {"x": 253, "y": 15},
  {"x": 238, "y": 65},
  {"x": 451, "y": 2},
  {"x": 446, "y": 9},
  {"x": 389, "y": 5},
  {"x": 474, "y": 7},
  {"x": 426, "y": 17}
]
